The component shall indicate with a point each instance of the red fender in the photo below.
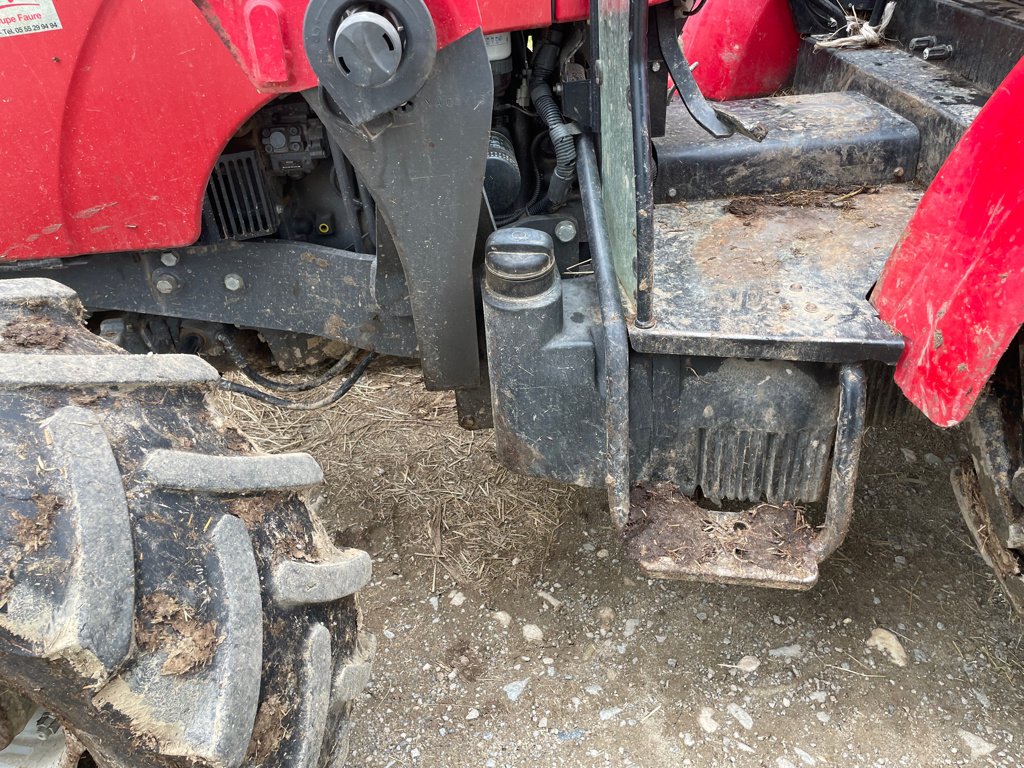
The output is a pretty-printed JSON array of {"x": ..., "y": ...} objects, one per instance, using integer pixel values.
[
  {"x": 743, "y": 48},
  {"x": 954, "y": 285}
]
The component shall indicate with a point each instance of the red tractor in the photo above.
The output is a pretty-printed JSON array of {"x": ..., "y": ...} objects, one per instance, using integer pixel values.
[{"x": 697, "y": 305}]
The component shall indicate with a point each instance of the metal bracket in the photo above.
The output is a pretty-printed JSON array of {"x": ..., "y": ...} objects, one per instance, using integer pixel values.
[
  {"x": 425, "y": 171},
  {"x": 679, "y": 68},
  {"x": 275, "y": 284}
]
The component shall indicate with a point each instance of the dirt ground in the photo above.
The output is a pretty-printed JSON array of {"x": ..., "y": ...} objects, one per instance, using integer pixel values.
[{"x": 513, "y": 632}]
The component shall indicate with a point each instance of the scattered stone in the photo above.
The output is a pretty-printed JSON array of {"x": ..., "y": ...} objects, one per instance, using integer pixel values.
[
  {"x": 823, "y": 717},
  {"x": 602, "y": 554},
  {"x": 701, "y": 616},
  {"x": 794, "y": 651},
  {"x": 502, "y": 618},
  {"x": 977, "y": 745},
  {"x": 547, "y": 597},
  {"x": 982, "y": 698},
  {"x": 909, "y": 455},
  {"x": 818, "y": 697},
  {"x": 805, "y": 758},
  {"x": 532, "y": 633},
  {"x": 609, "y": 713},
  {"x": 630, "y": 629},
  {"x": 473, "y": 714},
  {"x": 606, "y": 616},
  {"x": 740, "y": 715},
  {"x": 748, "y": 664},
  {"x": 458, "y": 599},
  {"x": 593, "y": 689},
  {"x": 688, "y": 739},
  {"x": 783, "y": 762},
  {"x": 542, "y": 723},
  {"x": 900, "y": 560},
  {"x": 515, "y": 689},
  {"x": 706, "y": 720},
  {"x": 885, "y": 641},
  {"x": 932, "y": 460},
  {"x": 434, "y": 602}
]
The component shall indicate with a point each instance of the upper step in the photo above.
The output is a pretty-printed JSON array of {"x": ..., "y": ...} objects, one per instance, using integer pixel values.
[
  {"x": 939, "y": 102},
  {"x": 987, "y": 35},
  {"x": 814, "y": 141},
  {"x": 775, "y": 279}
]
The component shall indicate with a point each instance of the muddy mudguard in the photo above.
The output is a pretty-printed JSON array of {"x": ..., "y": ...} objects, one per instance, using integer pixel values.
[{"x": 954, "y": 285}]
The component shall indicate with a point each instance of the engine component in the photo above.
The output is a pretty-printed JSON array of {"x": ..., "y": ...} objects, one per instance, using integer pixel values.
[
  {"x": 239, "y": 198},
  {"x": 293, "y": 140},
  {"x": 503, "y": 179}
]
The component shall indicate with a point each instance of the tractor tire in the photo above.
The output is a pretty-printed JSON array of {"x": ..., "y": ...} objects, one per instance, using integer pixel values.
[{"x": 165, "y": 593}]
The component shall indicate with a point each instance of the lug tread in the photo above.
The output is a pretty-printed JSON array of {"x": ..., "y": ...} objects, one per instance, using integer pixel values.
[
  {"x": 92, "y": 625},
  {"x": 314, "y": 698},
  {"x": 189, "y": 471},
  {"x": 340, "y": 574},
  {"x": 19, "y": 371},
  {"x": 207, "y": 715}
]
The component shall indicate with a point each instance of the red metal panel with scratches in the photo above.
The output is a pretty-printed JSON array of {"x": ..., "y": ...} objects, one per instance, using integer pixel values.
[
  {"x": 954, "y": 286},
  {"x": 743, "y": 48},
  {"x": 110, "y": 126}
]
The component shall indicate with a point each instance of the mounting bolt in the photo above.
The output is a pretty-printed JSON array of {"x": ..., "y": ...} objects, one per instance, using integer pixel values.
[
  {"x": 233, "y": 282},
  {"x": 655, "y": 66},
  {"x": 168, "y": 259},
  {"x": 46, "y": 726},
  {"x": 565, "y": 230},
  {"x": 672, "y": 192},
  {"x": 166, "y": 282}
]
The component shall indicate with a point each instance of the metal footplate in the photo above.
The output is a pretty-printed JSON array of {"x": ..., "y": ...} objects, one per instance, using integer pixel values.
[{"x": 769, "y": 545}]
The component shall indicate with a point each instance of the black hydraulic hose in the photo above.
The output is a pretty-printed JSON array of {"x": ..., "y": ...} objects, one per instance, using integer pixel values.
[
  {"x": 243, "y": 365},
  {"x": 295, "y": 405},
  {"x": 544, "y": 65}
]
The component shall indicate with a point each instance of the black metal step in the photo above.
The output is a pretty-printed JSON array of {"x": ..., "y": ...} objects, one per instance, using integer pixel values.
[
  {"x": 939, "y": 102},
  {"x": 775, "y": 279},
  {"x": 814, "y": 141},
  {"x": 987, "y": 35}
]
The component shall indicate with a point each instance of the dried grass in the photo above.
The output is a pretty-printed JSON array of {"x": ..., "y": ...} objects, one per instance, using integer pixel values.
[{"x": 393, "y": 453}]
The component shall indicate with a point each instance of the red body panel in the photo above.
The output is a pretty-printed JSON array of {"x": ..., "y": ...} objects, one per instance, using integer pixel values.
[
  {"x": 954, "y": 286},
  {"x": 743, "y": 48},
  {"x": 110, "y": 127}
]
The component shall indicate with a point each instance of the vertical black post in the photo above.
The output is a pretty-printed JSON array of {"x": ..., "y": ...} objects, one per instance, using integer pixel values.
[{"x": 643, "y": 163}]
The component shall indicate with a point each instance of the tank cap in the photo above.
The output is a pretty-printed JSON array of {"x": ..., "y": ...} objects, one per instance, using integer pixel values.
[
  {"x": 368, "y": 48},
  {"x": 520, "y": 262}
]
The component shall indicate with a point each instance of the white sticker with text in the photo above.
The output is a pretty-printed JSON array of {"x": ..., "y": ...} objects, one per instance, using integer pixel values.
[{"x": 23, "y": 17}]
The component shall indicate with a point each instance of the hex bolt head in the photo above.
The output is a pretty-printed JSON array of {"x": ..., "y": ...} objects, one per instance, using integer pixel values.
[
  {"x": 233, "y": 282},
  {"x": 166, "y": 283},
  {"x": 169, "y": 259},
  {"x": 565, "y": 230},
  {"x": 46, "y": 726}
]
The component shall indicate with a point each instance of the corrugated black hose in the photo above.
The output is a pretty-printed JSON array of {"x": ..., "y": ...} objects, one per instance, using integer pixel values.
[{"x": 544, "y": 65}]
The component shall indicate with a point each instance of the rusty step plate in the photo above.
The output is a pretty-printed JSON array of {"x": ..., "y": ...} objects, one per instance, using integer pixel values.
[
  {"x": 764, "y": 546},
  {"x": 784, "y": 277}
]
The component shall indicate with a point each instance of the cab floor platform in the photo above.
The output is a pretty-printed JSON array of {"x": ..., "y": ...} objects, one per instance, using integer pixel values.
[{"x": 777, "y": 277}]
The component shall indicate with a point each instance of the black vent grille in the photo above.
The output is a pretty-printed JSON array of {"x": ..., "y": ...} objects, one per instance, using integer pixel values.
[{"x": 239, "y": 199}]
